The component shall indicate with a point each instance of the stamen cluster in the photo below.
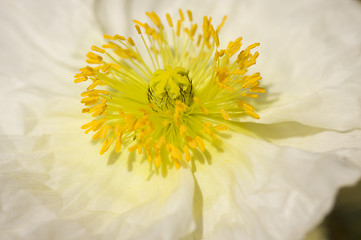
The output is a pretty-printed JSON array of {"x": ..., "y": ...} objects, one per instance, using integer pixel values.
[{"x": 170, "y": 94}]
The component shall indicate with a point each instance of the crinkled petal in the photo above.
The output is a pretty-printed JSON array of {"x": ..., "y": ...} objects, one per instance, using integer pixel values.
[
  {"x": 46, "y": 192},
  {"x": 68, "y": 186},
  {"x": 293, "y": 134},
  {"x": 45, "y": 41},
  {"x": 309, "y": 59},
  {"x": 55, "y": 185},
  {"x": 256, "y": 190}
]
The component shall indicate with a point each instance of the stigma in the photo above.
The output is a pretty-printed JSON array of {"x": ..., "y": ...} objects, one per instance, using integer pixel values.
[{"x": 168, "y": 94}]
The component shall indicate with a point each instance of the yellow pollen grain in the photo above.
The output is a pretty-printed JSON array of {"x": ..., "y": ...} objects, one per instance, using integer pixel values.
[
  {"x": 191, "y": 142},
  {"x": 99, "y": 125},
  {"x": 200, "y": 143},
  {"x": 239, "y": 72},
  {"x": 221, "y": 127},
  {"x": 108, "y": 37},
  {"x": 157, "y": 159},
  {"x": 115, "y": 66},
  {"x": 89, "y": 124},
  {"x": 106, "y": 67},
  {"x": 175, "y": 153},
  {"x": 225, "y": 114},
  {"x": 78, "y": 75},
  {"x": 138, "y": 29},
  {"x": 199, "y": 40},
  {"x": 221, "y": 25},
  {"x": 106, "y": 145},
  {"x": 93, "y": 61},
  {"x": 160, "y": 142},
  {"x": 204, "y": 110},
  {"x": 250, "y": 47},
  {"x": 138, "y": 23},
  {"x": 181, "y": 15},
  {"x": 176, "y": 163},
  {"x": 216, "y": 56},
  {"x": 257, "y": 90},
  {"x": 208, "y": 124},
  {"x": 190, "y": 16},
  {"x": 118, "y": 143},
  {"x": 81, "y": 79},
  {"x": 186, "y": 153},
  {"x": 249, "y": 95},
  {"x": 86, "y": 69},
  {"x": 94, "y": 84},
  {"x": 97, "y": 49},
  {"x": 221, "y": 53},
  {"x": 90, "y": 100},
  {"x": 179, "y": 24},
  {"x": 149, "y": 156},
  {"x": 118, "y": 37},
  {"x": 92, "y": 55},
  {"x": 214, "y": 35},
  {"x": 207, "y": 130},
  {"x": 193, "y": 30},
  {"x": 104, "y": 131},
  {"x": 133, "y": 148},
  {"x": 182, "y": 130},
  {"x": 169, "y": 20},
  {"x": 130, "y": 41},
  {"x": 154, "y": 17},
  {"x": 228, "y": 88},
  {"x": 245, "y": 106},
  {"x": 252, "y": 114}
]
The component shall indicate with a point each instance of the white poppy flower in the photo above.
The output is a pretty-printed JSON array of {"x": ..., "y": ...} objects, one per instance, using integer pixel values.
[{"x": 268, "y": 178}]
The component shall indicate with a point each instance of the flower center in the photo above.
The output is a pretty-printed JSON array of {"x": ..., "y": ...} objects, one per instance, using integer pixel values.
[
  {"x": 169, "y": 86},
  {"x": 170, "y": 103}
]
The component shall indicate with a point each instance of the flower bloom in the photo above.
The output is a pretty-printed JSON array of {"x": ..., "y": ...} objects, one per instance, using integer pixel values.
[
  {"x": 268, "y": 178},
  {"x": 170, "y": 108}
]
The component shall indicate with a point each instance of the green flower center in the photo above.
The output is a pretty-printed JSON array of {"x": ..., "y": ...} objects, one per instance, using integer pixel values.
[{"x": 168, "y": 86}]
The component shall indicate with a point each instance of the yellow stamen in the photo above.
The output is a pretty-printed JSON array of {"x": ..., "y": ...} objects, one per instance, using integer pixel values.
[
  {"x": 169, "y": 19},
  {"x": 221, "y": 127},
  {"x": 81, "y": 79},
  {"x": 200, "y": 143},
  {"x": 181, "y": 15},
  {"x": 225, "y": 114},
  {"x": 175, "y": 99},
  {"x": 252, "y": 114},
  {"x": 130, "y": 41},
  {"x": 108, "y": 37},
  {"x": 94, "y": 61},
  {"x": 186, "y": 153},
  {"x": 138, "y": 29},
  {"x": 221, "y": 25},
  {"x": 257, "y": 90},
  {"x": 106, "y": 145},
  {"x": 191, "y": 142},
  {"x": 95, "y": 48},
  {"x": 190, "y": 16},
  {"x": 157, "y": 159}
]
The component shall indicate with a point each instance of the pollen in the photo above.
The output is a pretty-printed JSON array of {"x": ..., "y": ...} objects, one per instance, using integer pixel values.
[{"x": 167, "y": 92}]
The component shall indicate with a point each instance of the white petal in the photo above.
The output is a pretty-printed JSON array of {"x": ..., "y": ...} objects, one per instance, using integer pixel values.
[
  {"x": 308, "y": 60},
  {"x": 305, "y": 137},
  {"x": 45, "y": 41},
  {"x": 69, "y": 186},
  {"x": 116, "y": 17},
  {"x": 255, "y": 190}
]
